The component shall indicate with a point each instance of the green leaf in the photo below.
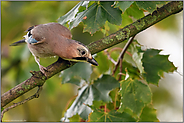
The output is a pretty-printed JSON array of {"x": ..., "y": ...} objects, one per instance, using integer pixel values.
[
  {"x": 135, "y": 95},
  {"x": 148, "y": 114},
  {"x": 126, "y": 20},
  {"x": 70, "y": 16},
  {"x": 79, "y": 17},
  {"x": 132, "y": 71},
  {"x": 124, "y": 4},
  {"x": 135, "y": 12},
  {"x": 95, "y": 19},
  {"x": 77, "y": 72},
  {"x": 112, "y": 14},
  {"x": 99, "y": 115},
  {"x": 102, "y": 86},
  {"x": 74, "y": 80},
  {"x": 99, "y": 90},
  {"x": 150, "y": 6},
  {"x": 155, "y": 64},
  {"x": 95, "y": 16}
]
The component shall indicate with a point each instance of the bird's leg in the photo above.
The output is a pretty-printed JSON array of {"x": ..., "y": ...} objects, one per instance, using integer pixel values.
[{"x": 42, "y": 68}]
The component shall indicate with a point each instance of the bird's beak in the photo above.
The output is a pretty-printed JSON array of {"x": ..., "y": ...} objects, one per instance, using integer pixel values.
[
  {"x": 18, "y": 42},
  {"x": 92, "y": 61}
]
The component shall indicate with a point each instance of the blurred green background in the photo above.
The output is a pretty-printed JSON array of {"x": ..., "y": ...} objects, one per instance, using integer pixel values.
[{"x": 16, "y": 62}]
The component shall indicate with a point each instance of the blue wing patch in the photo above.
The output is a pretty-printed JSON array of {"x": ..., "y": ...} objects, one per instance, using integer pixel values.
[{"x": 32, "y": 40}]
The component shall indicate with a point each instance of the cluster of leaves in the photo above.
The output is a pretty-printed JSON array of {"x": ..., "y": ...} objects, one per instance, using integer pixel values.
[
  {"x": 94, "y": 14},
  {"x": 101, "y": 97}
]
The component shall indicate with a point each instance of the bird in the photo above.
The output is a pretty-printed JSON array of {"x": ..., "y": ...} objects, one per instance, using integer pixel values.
[{"x": 54, "y": 39}]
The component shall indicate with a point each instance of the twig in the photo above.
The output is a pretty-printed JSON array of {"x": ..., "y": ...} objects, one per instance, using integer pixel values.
[
  {"x": 120, "y": 69},
  {"x": 122, "y": 53},
  {"x": 115, "y": 49},
  {"x": 36, "y": 95},
  {"x": 109, "y": 57}
]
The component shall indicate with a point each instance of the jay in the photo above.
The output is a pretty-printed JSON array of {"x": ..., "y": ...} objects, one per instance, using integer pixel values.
[{"x": 54, "y": 39}]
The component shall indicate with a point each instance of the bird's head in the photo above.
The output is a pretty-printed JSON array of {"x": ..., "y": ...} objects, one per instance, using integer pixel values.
[{"x": 81, "y": 53}]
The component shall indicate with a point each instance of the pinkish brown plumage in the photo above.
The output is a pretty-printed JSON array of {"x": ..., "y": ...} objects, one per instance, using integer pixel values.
[{"x": 53, "y": 39}]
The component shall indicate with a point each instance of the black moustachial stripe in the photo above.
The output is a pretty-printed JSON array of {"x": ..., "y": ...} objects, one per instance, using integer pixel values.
[{"x": 80, "y": 58}]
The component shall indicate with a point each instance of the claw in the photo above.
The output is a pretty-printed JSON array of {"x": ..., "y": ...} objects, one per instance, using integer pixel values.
[{"x": 43, "y": 70}]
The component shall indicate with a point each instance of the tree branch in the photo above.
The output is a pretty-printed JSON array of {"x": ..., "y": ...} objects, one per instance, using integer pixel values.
[
  {"x": 136, "y": 27},
  {"x": 36, "y": 95},
  {"x": 38, "y": 79},
  {"x": 122, "y": 54}
]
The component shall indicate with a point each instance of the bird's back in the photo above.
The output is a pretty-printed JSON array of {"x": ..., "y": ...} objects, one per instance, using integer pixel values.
[{"x": 50, "y": 37}]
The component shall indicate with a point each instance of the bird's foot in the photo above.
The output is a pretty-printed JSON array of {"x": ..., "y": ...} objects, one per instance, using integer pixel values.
[{"x": 43, "y": 70}]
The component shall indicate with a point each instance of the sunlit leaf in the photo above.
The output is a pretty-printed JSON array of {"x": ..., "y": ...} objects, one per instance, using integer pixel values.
[
  {"x": 135, "y": 12},
  {"x": 148, "y": 114},
  {"x": 126, "y": 19},
  {"x": 137, "y": 56},
  {"x": 70, "y": 16}
]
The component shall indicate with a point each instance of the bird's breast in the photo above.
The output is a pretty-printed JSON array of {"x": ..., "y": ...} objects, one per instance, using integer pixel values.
[{"x": 40, "y": 50}]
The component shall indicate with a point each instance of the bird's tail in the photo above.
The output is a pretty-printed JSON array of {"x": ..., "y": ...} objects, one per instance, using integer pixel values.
[{"x": 18, "y": 42}]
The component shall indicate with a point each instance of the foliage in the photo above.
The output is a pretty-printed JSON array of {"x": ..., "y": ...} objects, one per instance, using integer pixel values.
[
  {"x": 134, "y": 94},
  {"x": 95, "y": 14},
  {"x": 101, "y": 96},
  {"x": 146, "y": 66}
]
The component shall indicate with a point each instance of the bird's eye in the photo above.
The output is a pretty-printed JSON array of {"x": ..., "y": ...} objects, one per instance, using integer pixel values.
[{"x": 83, "y": 52}]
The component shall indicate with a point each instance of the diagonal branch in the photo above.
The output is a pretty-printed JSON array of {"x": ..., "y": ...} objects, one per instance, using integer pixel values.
[
  {"x": 122, "y": 54},
  {"x": 39, "y": 79},
  {"x": 36, "y": 95}
]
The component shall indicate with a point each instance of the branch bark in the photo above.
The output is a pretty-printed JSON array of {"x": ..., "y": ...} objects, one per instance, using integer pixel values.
[{"x": 38, "y": 78}]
